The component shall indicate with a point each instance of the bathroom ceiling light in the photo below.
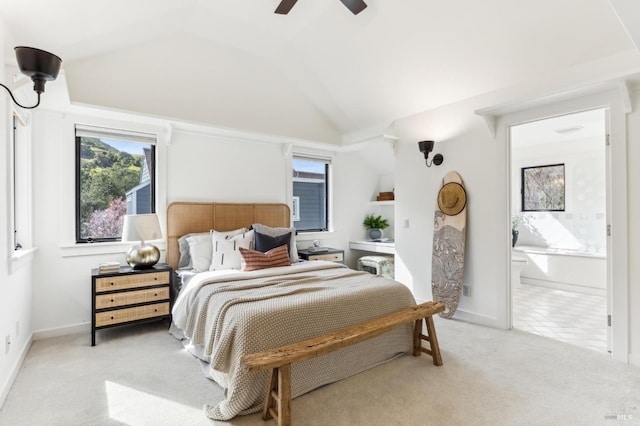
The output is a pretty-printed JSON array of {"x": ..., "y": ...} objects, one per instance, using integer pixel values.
[{"x": 569, "y": 130}]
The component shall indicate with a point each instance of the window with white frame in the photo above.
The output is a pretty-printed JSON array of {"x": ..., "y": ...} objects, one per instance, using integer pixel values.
[
  {"x": 115, "y": 176},
  {"x": 20, "y": 186},
  {"x": 311, "y": 195}
]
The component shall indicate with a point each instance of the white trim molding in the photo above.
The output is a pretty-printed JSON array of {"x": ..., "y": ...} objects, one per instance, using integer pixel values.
[{"x": 15, "y": 369}]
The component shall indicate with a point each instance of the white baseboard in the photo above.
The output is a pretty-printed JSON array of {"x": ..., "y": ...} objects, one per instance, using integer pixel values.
[
  {"x": 6, "y": 386},
  {"x": 471, "y": 317},
  {"x": 476, "y": 318},
  {"x": 38, "y": 335},
  {"x": 84, "y": 327}
]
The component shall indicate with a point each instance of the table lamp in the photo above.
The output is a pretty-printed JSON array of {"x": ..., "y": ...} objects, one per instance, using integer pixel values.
[{"x": 141, "y": 227}]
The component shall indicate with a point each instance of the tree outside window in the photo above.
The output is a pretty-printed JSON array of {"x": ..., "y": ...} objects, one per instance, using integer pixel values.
[
  {"x": 115, "y": 177},
  {"x": 543, "y": 188}
]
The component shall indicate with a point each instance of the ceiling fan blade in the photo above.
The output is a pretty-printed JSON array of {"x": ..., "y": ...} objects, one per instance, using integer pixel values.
[
  {"x": 355, "y": 6},
  {"x": 285, "y": 6}
]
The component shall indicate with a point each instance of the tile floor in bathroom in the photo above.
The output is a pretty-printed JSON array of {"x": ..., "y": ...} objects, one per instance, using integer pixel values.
[{"x": 576, "y": 318}]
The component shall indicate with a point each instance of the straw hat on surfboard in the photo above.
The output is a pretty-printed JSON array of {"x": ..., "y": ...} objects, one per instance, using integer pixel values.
[{"x": 449, "y": 235}]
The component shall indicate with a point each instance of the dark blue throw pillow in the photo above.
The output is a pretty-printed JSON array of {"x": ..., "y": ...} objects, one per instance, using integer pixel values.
[{"x": 264, "y": 242}]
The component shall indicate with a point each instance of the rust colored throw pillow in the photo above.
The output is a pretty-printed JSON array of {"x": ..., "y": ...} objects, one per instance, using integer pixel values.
[{"x": 253, "y": 260}]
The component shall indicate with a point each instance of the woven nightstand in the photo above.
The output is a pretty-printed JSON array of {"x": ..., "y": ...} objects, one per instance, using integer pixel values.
[{"x": 130, "y": 296}]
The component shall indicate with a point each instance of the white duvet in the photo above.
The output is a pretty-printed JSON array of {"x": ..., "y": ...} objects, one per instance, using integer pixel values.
[{"x": 227, "y": 314}]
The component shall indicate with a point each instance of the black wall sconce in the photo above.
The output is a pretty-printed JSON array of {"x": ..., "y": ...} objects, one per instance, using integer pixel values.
[
  {"x": 426, "y": 147},
  {"x": 41, "y": 66}
]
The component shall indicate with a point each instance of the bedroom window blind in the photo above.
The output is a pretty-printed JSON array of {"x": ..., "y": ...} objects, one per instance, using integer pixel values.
[
  {"x": 311, "y": 193},
  {"x": 115, "y": 176}
]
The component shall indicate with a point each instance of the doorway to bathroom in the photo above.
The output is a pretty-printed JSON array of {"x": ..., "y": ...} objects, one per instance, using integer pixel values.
[{"x": 559, "y": 268}]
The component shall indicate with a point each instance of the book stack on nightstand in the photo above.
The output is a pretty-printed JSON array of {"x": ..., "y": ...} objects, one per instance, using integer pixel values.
[{"x": 108, "y": 267}]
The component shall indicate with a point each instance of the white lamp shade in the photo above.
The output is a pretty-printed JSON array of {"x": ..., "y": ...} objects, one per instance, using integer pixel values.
[{"x": 141, "y": 227}]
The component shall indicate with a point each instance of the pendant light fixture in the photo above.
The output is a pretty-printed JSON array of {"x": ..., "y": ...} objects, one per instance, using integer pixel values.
[{"x": 38, "y": 64}]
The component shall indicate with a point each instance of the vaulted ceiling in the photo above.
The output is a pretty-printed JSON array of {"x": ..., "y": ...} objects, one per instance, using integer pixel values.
[{"x": 318, "y": 73}]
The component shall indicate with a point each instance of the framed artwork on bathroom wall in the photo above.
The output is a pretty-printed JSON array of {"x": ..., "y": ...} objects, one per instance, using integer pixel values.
[{"x": 543, "y": 188}]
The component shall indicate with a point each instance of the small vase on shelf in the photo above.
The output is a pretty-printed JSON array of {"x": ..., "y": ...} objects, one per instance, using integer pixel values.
[{"x": 375, "y": 233}]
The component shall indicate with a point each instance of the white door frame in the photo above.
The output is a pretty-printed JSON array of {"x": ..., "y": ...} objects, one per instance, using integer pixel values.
[{"x": 617, "y": 255}]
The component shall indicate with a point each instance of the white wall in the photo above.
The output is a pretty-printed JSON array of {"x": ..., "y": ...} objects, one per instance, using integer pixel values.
[
  {"x": 162, "y": 76},
  {"x": 355, "y": 184},
  {"x": 15, "y": 275},
  {"x": 470, "y": 148},
  {"x": 195, "y": 166},
  {"x": 203, "y": 167},
  {"x": 582, "y": 225},
  {"x": 581, "y": 228},
  {"x": 633, "y": 170},
  {"x": 5, "y": 301}
]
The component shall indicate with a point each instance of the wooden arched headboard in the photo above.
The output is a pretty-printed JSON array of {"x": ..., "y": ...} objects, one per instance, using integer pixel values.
[{"x": 185, "y": 217}]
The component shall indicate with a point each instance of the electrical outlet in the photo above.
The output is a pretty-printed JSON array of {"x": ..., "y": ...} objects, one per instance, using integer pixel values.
[
  {"x": 7, "y": 345},
  {"x": 466, "y": 291},
  {"x": 406, "y": 223}
]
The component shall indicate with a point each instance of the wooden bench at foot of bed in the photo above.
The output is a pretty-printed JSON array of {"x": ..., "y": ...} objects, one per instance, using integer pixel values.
[{"x": 277, "y": 402}]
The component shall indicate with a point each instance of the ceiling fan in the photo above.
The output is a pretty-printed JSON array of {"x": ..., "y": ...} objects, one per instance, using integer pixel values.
[{"x": 355, "y": 6}]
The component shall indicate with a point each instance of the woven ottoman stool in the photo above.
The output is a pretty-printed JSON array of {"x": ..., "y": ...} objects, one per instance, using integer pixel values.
[{"x": 377, "y": 265}]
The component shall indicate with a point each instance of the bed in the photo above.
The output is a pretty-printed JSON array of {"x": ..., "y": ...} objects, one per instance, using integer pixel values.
[{"x": 223, "y": 314}]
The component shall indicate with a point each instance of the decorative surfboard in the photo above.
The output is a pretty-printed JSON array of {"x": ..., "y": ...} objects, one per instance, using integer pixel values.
[{"x": 449, "y": 235}]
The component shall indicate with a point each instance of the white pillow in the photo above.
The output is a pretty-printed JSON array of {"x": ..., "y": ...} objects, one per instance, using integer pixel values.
[
  {"x": 201, "y": 248},
  {"x": 183, "y": 245},
  {"x": 200, "y": 251},
  {"x": 276, "y": 232},
  {"x": 226, "y": 250}
]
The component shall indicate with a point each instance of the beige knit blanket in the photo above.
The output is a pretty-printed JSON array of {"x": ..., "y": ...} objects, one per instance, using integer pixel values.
[{"x": 228, "y": 316}]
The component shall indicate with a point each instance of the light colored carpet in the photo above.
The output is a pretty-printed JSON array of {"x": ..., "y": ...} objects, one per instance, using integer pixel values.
[{"x": 142, "y": 376}]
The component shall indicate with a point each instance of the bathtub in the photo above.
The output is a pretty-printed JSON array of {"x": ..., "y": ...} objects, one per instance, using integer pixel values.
[{"x": 564, "y": 269}]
